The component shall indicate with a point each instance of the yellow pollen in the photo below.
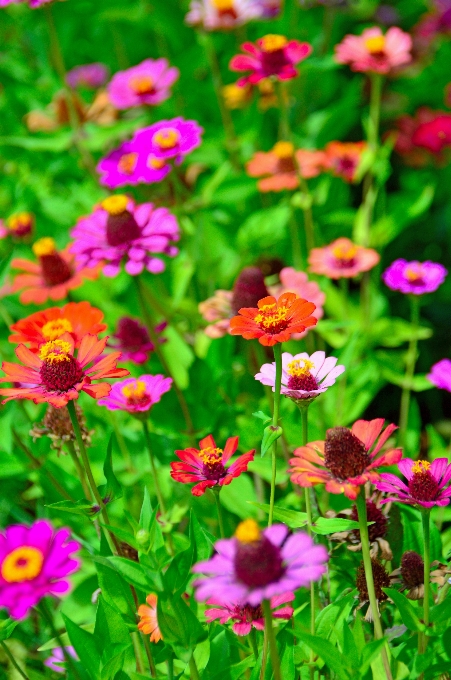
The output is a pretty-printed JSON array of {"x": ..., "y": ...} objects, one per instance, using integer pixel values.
[
  {"x": 54, "y": 329},
  {"x": 234, "y": 95},
  {"x": 22, "y": 564},
  {"x": 141, "y": 84},
  {"x": 20, "y": 220},
  {"x": 134, "y": 390},
  {"x": 420, "y": 466},
  {"x": 115, "y": 205},
  {"x": 296, "y": 369},
  {"x": 167, "y": 138},
  {"x": 127, "y": 163},
  {"x": 413, "y": 274},
  {"x": 156, "y": 163},
  {"x": 210, "y": 456},
  {"x": 283, "y": 150},
  {"x": 223, "y": 5},
  {"x": 272, "y": 42},
  {"x": 248, "y": 531},
  {"x": 345, "y": 252},
  {"x": 375, "y": 45},
  {"x": 44, "y": 246},
  {"x": 55, "y": 351},
  {"x": 271, "y": 316}
]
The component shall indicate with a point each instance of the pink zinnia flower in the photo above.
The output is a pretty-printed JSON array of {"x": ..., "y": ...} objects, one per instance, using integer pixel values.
[
  {"x": 272, "y": 55},
  {"x": 168, "y": 139},
  {"x": 374, "y": 52},
  {"x": 130, "y": 164},
  {"x": 136, "y": 395},
  {"x": 416, "y": 278},
  {"x": 206, "y": 465},
  {"x": 121, "y": 231},
  {"x": 217, "y": 15},
  {"x": 56, "y": 661},
  {"x": 133, "y": 341},
  {"x": 91, "y": 76},
  {"x": 342, "y": 259},
  {"x": 428, "y": 483},
  {"x": 440, "y": 375},
  {"x": 147, "y": 83},
  {"x": 246, "y": 616},
  {"x": 297, "y": 282},
  {"x": 35, "y": 561},
  {"x": 257, "y": 565},
  {"x": 406, "y": 132}
]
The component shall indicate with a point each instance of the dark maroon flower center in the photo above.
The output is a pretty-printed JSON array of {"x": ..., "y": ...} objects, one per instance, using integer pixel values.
[
  {"x": 54, "y": 269},
  {"x": 380, "y": 577},
  {"x": 380, "y": 526},
  {"x": 412, "y": 569},
  {"x": 249, "y": 288},
  {"x": 60, "y": 375},
  {"x": 248, "y": 613},
  {"x": 212, "y": 468},
  {"x": 258, "y": 563},
  {"x": 304, "y": 381},
  {"x": 423, "y": 486},
  {"x": 121, "y": 228},
  {"x": 344, "y": 454}
]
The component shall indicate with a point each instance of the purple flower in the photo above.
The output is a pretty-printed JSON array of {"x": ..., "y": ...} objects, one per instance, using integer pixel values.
[
  {"x": 133, "y": 339},
  {"x": 415, "y": 277},
  {"x": 258, "y": 565},
  {"x": 148, "y": 83},
  {"x": 118, "y": 230},
  {"x": 426, "y": 483},
  {"x": 169, "y": 138},
  {"x": 136, "y": 395},
  {"x": 440, "y": 375},
  {"x": 87, "y": 75},
  {"x": 56, "y": 661},
  {"x": 129, "y": 164},
  {"x": 34, "y": 562}
]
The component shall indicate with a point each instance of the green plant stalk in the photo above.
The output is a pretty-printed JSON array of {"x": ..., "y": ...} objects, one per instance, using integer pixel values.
[
  {"x": 12, "y": 660},
  {"x": 216, "y": 491},
  {"x": 80, "y": 471},
  {"x": 410, "y": 370},
  {"x": 369, "y": 190},
  {"x": 426, "y": 520},
  {"x": 170, "y": 664},
  {"x": 364, "y": 537},
  {"x": 253, "y": 642},
  {"x": 154, "y": 469},
  {"x": 269, "y": 630},
  {"x": 194, "y": 672},
  {"x": 153, "y": 670},
  {"x": 138, "y": 652},
  {"x": 275, "y": 419},
  {"x": 46, "y": 615},
  {"x": 298, "y": 259}
]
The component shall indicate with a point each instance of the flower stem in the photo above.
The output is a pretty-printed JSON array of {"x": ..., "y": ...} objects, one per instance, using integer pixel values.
[
  {"x": 253, "y": 642},
  {"x": 426, "y": 518},
  {"x": 12, "y": 659},
  {"x": 269, "y": 630},
  {"x": 364, "y": 537},
  {"x": 275, "y": 419},
  {"x": 154, "y": 469},
  {"x": 80, "y": 471},
  {"x": 369, "y": 190},
  {"x": 410, "y": 370},
  {"x": 170, "y": 663},
  {"x": 194, "y": 672},
  {"x": 153, "y": 671},
  {"x": 216, "y": 491}
]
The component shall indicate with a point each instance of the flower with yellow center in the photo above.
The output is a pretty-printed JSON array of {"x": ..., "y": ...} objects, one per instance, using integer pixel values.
[
  {"x": 22, "y": 564},
  {"x": 115, "y": 205},
  {"x": 44, "y": 246},
  {"x": 248, "y": 531},
  {"x": 166, "y": 138},
  {"x": 299, "y": 367},
  {"x": 142, "y": 84},
  {"x": 283, "y": 150},
  {"x": 376, "y": 44},
  {"x": 55, "y": 351},
  {"x": 56, "y": 328},
  {"x": 420, "y": 466},
  {"x": 19, "y": 221},
  {"x": 345, "y": 252},
  {"x": 414, "y": 275},
  {"x": 135, "y": 390},
  {"x": 156, "y": 163},
  {"x": 272, "y": 42},
  {"x": 271, "y": 316},
  {"x": 127, "y": 163},
  {"x": 223, "y": 5}
]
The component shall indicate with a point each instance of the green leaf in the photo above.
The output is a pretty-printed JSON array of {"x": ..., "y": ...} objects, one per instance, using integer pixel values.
[
  {"x": 324, "y": 526},
  {"x": 82, "y": 507},
  {"x": 295, "y": 519},
  {"x": 123, "y": 535},
  {"x": 263, "y": 229},
  {"x": 262, "y": 416},
  {"x": 233, "y": 497},
  {"x": 202, "y": 541},
  {"x": 85, "y": 646},
  {"x": 408, "y": 613},
  {"x": 370, "y": 651},
  {"x": 7, "y": 628},
  {"x": 110, "y": 627},
  {"x": 178, "y": 624},
  {"x": 145, "y": 518},
  {"x": 329, "y": 619},
  {"x": 271, "y": 434},
  {"x": 115, "y": 590},
  {"x": 112, "y": 490},
  {"x": 291, "y": 518},
  {"x": 328, "y": 653},
  {"x": 132, "y": 572},
  {"x": 441, "y": 612}
]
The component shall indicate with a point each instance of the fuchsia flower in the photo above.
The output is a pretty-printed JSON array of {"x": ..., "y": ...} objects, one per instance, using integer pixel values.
[
  {"x": 35, "y": 561},
  {"x": 147, "y": 83},
  {"x": 428, "y": 483},
  {"x": 168, "y": 139},
  {"x": 440, "y": 375},
  {"x": 207, "y": 465},
  {"x": 56, "y": 661},
  {"x": 272, "y": 55},
  {"x": 416, "y": 278},
  {"x": 120, "y": 231},
  {"x": 136, "y": 395},
  {"x": 246, "y": 616},
  {"x": 374, "y": 52},
  {"x": 342, "y": 259},
  {"x": 217, "y": 15},
  {"x": 257, "y": 565},
  {"x": 304, "y": 377},
  {"x": 133, "y": 340},
  {"x": 91, "y": 76},
  {"x": 434, "y": 135},
  {"x": 130, "y": 164}
]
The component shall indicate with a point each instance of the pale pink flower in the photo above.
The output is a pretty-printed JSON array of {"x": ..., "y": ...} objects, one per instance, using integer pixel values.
[{"x": 375, "y": 52}]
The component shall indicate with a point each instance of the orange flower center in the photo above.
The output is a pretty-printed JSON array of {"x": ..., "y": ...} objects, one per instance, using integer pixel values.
[
  {"x": 300, "y": 376},
  {"x": 345, "y": 253},
  {"x": 423, "y": 486},
  {"x": 121, "y": 226},
  {"x": 223, "y": 5},
  {"x": 136, "y": 393},
  {"x": 115, "y": 205},
  {"x": 213, "y": 468},
  {"x": 272, "y": 319},
  {"x": 299, "y": 367},
  {"x": 127, "y": 163},
  {"x": 283, "y": 150},
  {"x": 272, "y": 42},
  {"x": 156, "y": 163},
  {"x": 211, "y": 456},
  {"x": 248, "y": 531},
  {"x": 54, "y": 329},
  {"x": 420, "y": 466},
  {"x": 55, "y": 351},
  {"x": 44, "y": 246},
  {"x": 142, "y": 84},
  {"x": 376, "y": 44},
  {"x": 414, "y": 275},
  {"x": 22, "y": 564},
  {"x": 55, "y": 269},
  {"x": 21, "y": 223},
  {"x": 166, "y": 138}
]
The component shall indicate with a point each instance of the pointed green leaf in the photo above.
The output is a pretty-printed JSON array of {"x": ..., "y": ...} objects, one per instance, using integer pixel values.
[
  {"x": 408, "y": 613},
  {"x": 271, "y": 433},
  {"x": 85, "y": 646}
]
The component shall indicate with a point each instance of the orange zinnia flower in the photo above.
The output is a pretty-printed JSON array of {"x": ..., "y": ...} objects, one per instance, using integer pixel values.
[
  {"x": 148, "y": 618},
  {"x": 56, "y": 376},
  {"x": 343, "y": 159},
  {"x": 76, "y": 318},
  {"x": 53, "y": 276},
  {"x": 275, "y": 320},
  {"x": 284, "y": 165}
]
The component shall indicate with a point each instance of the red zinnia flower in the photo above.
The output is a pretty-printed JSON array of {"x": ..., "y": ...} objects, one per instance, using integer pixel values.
[
  {"x": 207, "y": 465},
  {"x": 274, "y": 320},
  {"x": 55, "y": 375}
]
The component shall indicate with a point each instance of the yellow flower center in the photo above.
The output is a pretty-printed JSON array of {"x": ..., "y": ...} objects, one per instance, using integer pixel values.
[
  {"x": 54, "y": 329},
  {"x": 299, "y": 367},
  {"x": 44, "y": 246},
  {"x": 272, "y": 42},
  {"x": 135, "y": 390},
  {"x": 20, "y": 220},
  {"x": 167, "y": 138},
  {"x": 55, "y": 351},
  {"x": 376, "y": 44},
  {"x": 115, "y": 205},
  {"x": 283, "y": 150},
  {"x": 156, "y": 163},
  {"x": 345, "y": 252},
  {"x": 234, "y": 95},
  {"x": 210, "y": 456},
  {"x": 414, "y": 275},
  {"x": 22, "y": 564},
  {"x": 248, "y": 531},
  {"x": 141, "y": 84},
  {"x": 271, "y": 316},
  {"x": 223, "y": 5},
  {"x": 127, "y": 163},
  {"x": 420, "y": 466}
]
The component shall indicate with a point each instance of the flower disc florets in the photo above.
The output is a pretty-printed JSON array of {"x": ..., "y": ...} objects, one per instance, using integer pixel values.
[
  {"x": 379, "y": 527},
  {"x": 258, "y": 562},
  {"x": 60, "y": 370},
  {"x": 381, "y": 580},
  {"x": 412, "y": 569},
  {"x": 344, "y": 454}
]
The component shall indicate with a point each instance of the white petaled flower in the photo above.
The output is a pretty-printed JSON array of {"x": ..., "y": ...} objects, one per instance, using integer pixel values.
[{"x": 303, "y": 376}]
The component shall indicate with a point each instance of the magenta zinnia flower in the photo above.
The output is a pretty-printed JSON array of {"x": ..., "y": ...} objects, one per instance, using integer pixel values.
[
  {"x": 147, "y": 83},
  {"x": 120, "y": 231},
  {"x": 130, "y": 164},
  {"x": 56, "y": 661},
  {"x": 272, "y": 55},
  {"x": 245, "y": 616},
  {"x": 440, "y": 375},
  {"x": 257, "y": 565},
  {"x": 416, "y": 278},
  {"x": 374, "y": 52},
  {"x": 168, "y": 139},
  {"x": 87, "y": 75},
  {"x": 427, "y": 483},
  {"x": 136, "y": 395},
  {"x": 133, "y": 341},
  {"x": 434, "y": 135},
  {"x": 34, "y": 562}
]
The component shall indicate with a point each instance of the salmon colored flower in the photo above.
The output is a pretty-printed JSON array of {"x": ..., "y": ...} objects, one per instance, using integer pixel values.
[
  {"x": 56, "y": 376},
  {"x": 51, "y": 277},
  {"x": 343, "y": 159},
  {"x": 345, "y": 461},
  {"x": 284, "y": 164},
  {"x": 148, "y": 623},
  {"x": 342, "y": 259},
  {"x": 206, "y": 465},
  {"x": 274, "y": 320},
  {"x": 272, "y": 55},
  {"x": 76, "y": 318},
  {"x": 374, "y": 52}
]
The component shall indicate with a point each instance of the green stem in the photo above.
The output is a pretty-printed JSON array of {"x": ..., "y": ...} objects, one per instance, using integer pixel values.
[
  {"x": 298, "y": 259},
  {"x": 80, "y": 471},
  {"x": 275, "y": 420},
  {"x": 138, "y": 652},
  {"x": 154, "y": 469},
  {"x": 153, "y": 670},
  {"x": 46, "y": 615},
  {"x": 410, "y": 370},
  {"x": 121, "y": 442},
  {"x": 13, "y": 661},
  {"x": 193, "y": 669},
  {"x": 253, "y": 642},
  {"x": 216, "y": 491},
  {"x": 274, "y": 654},
  {"x": 170, "y": 663},
  {"x": 369, "y": 190},
  {"x": 426, "y": 517}
]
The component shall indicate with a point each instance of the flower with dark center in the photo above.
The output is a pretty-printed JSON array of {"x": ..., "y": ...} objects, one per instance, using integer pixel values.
[
  {"x": 19, "y": 226},
  {"x": 246, "y": 616},
  {"x": 273, "y": 55},
  {"x": 381, "y": 580},
  {"x": 282, "y": 166},
  {"x": 133, "y": 341},
  {"x": 137, "y": 396},
  {"x": 377, "y": 530},
  {"x": 146, "y": 84},
  {"x": 343, "y": 158},
  {"x": 412, "y": 569},
  {"x": 379, "y": 527},
  {"x": 248, "y": 289},
  {"x": 428, "y": 483},
  {"x": 207, "y": 465},
  {"x": 373, "y": 52},
  {"x": 416, "y": 278},
  {"x": 410, "y": 575},
  {"x": 342, "y": 259},
  {"x": 347, "y": 459}
]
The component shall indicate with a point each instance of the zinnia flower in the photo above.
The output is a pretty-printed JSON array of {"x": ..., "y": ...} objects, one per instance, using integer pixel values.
[
  {"x": 168, "y": 139},
  {"x": 411, "y": 574},
  {"x": 440, "y": 375},
  {"x": 119, "y": 230},
  {"x": 416, "y": 278},
  {"x": 274, "y": 321},
  {"x": 284, "y": 165},
  {"x": 272, "y": 55},
  {"x": 129, "y": 164},
  {"x": 343, "y": 158},
  {"x": 342, "y": 259},
  {"x": 257, "y": 565},
  {"x": 147, "y": 83},
  {"x": 136, "y": 395},
  {"x": 56, "y": 661},
  {"x": 434, "y": 135},
  {"x": 427, "y": 483},
  {"x": 76, "y": 318},
  {"x": 91, "y": 76},
  {"x": 52, "y": 276},
  {"x": 345, "y": 461},
  {"x": 148, "y": 623},
  {"x": 304, "y": 377},
  {"x": 206, "y": 465},
  {"x": 421, "y": 138},
  {"x": 297, "y": 282},
  {"x": 133, "y": 339},
  {"x": 35, "y": 561},
  {"x": 55, "y": 375},
  {"x": 18, "y": 227},
  {"x": 246, "y": 616},
  {"x": 220, "y": 15},
  {"x": 374, "y": 52}
]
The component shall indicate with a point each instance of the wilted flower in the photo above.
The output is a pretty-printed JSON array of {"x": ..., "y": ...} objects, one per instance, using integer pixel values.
[
  {"x": 130, "y": 164},
  {"x": 57, "y": 425},
  {"x": 283, "y": 165},
  {"x": 440, "y": 375},
  {"x": 220, "y": 15},
  {"x": 136, "y": 395},
  {"x": 91, "y": 76},
  {"x": 133, "y": 339},
  {"x": 416, "y": 278},
  {"x": 169, "y": 139},
  {"x": 246, "y": 616},
  {"x": 411, "y": 574},
  {"x": 343, "y": 159},
  {"x": 381, "y": 580},
  {"x": 374, "y": 52},
  {"x": 377, "y": 530},
  {"x": 148, "y": 621},
  {"x": 428, "y": 483},
  {"x": 272, "y": 55},
  {"x": 19, "y": 226},
  {"x": 148, "y": 83},
  {"x": 342, "y": 259}
]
